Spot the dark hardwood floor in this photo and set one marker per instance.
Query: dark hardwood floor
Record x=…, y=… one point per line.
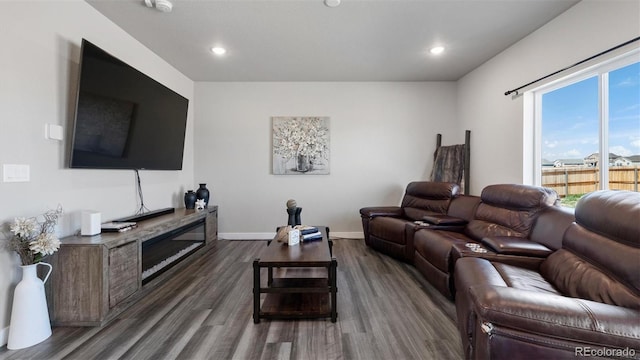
x=386, y=310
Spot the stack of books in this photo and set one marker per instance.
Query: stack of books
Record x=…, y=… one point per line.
x=310, y=233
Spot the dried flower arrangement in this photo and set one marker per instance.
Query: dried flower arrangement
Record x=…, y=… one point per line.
x=33, y=240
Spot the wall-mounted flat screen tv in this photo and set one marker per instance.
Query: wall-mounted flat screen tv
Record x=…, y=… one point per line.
x=124, y=119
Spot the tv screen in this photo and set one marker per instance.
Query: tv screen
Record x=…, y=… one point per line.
x=125, y=119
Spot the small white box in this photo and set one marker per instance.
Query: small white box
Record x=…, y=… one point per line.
x=294, y=237
x=90, y=223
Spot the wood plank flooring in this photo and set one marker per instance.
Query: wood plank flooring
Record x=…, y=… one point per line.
x=386, y=310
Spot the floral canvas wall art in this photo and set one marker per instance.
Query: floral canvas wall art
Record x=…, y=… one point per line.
x=300, y=145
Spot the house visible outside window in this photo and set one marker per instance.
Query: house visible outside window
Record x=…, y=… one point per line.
x=588, y=130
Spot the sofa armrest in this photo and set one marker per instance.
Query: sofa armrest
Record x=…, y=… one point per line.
x=444, y=220
x=393, y=211
x=459, y=251
x=556, y=316
x=509, y=245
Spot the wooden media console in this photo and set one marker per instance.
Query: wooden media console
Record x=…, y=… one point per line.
x=95, y=278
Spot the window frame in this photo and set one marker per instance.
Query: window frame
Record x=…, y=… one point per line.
x=533, y=101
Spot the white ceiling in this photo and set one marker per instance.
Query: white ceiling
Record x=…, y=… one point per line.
x=304, y=40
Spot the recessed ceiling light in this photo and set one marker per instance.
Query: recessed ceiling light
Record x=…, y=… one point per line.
x=164, y=5
x=437, y=50
x=332, y=3
x=218, y=50
x=161, y=5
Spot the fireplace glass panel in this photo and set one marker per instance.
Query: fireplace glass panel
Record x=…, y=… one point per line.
x=161, y=253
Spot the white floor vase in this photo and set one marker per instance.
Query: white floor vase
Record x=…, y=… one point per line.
x=29, y=315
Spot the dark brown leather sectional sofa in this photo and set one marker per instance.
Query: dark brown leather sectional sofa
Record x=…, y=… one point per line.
x=529, y=281
x=581, y=300
x=500, y=227
x=390, y=229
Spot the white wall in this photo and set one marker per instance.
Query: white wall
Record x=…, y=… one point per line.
x=38, y=75
x=498, y=132
x=382, y=137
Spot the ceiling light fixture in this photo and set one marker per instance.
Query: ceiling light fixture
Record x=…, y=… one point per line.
x=218, y=50
x=332, y=3
x=437, y=50
x=161, y=5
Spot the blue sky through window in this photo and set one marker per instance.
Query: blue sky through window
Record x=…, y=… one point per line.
x=570, y=119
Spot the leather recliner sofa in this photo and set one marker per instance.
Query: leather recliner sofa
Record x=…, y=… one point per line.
x=501, y=227
x=581, y=300
x=390, y=229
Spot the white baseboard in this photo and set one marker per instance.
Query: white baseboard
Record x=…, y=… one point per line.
x=269, y=236
x=4, y=336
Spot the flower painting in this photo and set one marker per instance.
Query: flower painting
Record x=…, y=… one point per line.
x=300, y=145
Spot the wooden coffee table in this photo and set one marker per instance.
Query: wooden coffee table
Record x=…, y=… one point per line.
x=296, y=297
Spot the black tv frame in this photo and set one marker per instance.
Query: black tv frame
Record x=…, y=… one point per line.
x=131, y=122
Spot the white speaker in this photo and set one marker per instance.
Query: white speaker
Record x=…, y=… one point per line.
x=90, y=223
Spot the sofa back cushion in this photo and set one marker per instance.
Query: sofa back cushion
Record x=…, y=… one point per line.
x=464, y=207
x=600, y=255
x=551, y=225
x=509, y=210
x=426, y=197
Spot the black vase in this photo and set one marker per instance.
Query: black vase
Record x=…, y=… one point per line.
x=190, y=200
x=203, y=193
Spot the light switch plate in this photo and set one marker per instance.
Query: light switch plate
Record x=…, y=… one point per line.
x=15, y=173
x=53, y=131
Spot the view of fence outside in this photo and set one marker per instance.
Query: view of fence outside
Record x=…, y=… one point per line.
x=576, y=181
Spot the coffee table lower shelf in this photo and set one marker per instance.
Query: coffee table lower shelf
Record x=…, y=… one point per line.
x=292, y=304
x=296, y=298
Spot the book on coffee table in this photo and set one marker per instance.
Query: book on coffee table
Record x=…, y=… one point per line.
x=312, y=236
x=304, y=229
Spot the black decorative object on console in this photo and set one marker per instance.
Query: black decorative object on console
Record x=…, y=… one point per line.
x=203, y=193
x=294, y=213
x=190, y=199
x=292, y=217
x=297, y=216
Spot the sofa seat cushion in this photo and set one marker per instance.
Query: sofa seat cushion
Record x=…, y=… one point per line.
x=389, y=229
x=523, y=279
x=435, y=246
x=474, y=271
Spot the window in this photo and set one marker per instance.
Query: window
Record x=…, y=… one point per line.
x=587, y=130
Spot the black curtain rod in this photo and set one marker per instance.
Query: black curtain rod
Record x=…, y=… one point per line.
x=571, y=66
